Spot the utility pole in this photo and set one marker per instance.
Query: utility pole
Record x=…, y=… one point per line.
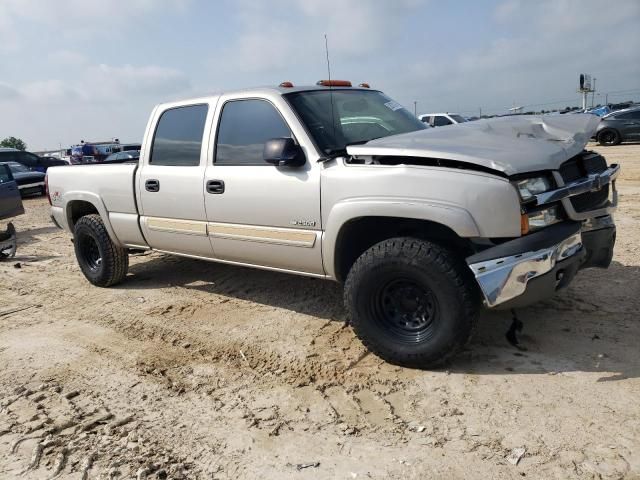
x=606, y=99
x=480, y=108
x=593, y=92
x=415, y=108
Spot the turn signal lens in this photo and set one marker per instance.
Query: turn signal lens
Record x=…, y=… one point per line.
x=544, y=218
x=524, y=224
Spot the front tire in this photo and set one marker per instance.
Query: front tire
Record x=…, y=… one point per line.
x=609, y=137
x=102, y=262
x=411, y=302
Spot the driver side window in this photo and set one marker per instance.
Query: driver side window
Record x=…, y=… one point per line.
x=244, y=128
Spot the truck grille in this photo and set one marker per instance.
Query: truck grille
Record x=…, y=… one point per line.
x=579, y=167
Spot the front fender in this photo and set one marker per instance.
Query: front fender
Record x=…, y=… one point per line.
x=98, y=204
x=452, y=216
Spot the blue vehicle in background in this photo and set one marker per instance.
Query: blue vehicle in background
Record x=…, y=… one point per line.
x=600, y=111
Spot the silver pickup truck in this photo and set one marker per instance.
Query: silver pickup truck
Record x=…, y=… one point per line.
x=422, y=226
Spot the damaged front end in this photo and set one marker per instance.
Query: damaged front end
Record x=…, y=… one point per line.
x=533, y=267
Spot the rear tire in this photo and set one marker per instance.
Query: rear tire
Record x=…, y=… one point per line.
x=609, y=137
x=102, y=262
x=412, y=302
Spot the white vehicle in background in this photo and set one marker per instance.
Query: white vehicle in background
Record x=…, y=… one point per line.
x=441, y=119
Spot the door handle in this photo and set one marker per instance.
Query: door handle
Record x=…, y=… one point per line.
x=152, y=185
x=215, y=186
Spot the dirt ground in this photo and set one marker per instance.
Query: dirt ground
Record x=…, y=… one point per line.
x=198, y=370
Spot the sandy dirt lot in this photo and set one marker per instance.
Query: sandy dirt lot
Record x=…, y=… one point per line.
x=198, y=370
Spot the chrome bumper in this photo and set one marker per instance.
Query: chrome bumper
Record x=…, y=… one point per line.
x=505, y=278
x=590, y=183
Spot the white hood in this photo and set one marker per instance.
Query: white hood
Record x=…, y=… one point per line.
x=515, y=144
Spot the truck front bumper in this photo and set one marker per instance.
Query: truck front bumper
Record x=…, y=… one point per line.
x=531, y=268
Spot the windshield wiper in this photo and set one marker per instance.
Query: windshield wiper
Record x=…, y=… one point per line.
x=362, y=142
x=332, y=153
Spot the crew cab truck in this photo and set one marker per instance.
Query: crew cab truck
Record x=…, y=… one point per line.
x=422, y=226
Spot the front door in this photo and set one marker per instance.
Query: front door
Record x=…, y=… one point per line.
x=630, y=125
x=10, y=200
x=260, y=214
x=172, y=215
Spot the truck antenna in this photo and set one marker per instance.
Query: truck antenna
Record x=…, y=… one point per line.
x=333, y=121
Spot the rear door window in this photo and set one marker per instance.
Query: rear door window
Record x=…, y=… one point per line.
x=178, y=137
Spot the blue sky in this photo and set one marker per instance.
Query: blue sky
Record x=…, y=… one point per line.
x=93, y=69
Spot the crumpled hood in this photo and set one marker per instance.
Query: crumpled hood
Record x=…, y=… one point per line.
x=515, y=144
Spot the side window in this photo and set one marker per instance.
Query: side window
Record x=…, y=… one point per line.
x=440, y=121
x=28, y=159
x=244, y=127
x=178, y=137
x=629, y=116
x=5, y=174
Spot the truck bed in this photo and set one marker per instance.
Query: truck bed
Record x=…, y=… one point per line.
x=110, y=188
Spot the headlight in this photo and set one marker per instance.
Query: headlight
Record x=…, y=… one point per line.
x=542, y=218
x=529, y=187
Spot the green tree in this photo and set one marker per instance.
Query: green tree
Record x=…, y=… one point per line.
x=13, y=142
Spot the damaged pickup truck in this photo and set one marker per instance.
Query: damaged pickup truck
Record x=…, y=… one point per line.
x=422, y=226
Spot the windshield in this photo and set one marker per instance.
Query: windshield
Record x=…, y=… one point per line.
x=358, y=116
x=18, y=168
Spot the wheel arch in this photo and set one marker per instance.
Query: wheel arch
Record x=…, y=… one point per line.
x=358, y=234
x=79, y=204
x=609, y=129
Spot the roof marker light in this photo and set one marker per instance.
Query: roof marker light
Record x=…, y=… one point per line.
x=334, y=83
x=286, y=85
x=364, y=85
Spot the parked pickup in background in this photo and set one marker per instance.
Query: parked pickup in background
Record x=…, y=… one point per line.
x=422, y=226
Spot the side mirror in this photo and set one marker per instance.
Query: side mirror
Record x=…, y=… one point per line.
x=283, y=152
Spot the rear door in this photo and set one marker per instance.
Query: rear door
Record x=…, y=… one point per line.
x=10, y=200
x=170, y=181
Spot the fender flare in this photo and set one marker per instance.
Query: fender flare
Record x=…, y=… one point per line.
x=97, y=203
x=454, y=217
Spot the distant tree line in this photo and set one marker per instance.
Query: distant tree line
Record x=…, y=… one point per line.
x=13, y=142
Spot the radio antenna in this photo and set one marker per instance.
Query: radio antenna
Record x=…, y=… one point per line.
x=326, y=49
x=333, y=120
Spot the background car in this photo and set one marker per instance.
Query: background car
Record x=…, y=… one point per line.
x=10, y=201
x=52, y=162
x=28, y=159
x=29, y=182
x=123, y=157
x=441, y=119
x=620, y=126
